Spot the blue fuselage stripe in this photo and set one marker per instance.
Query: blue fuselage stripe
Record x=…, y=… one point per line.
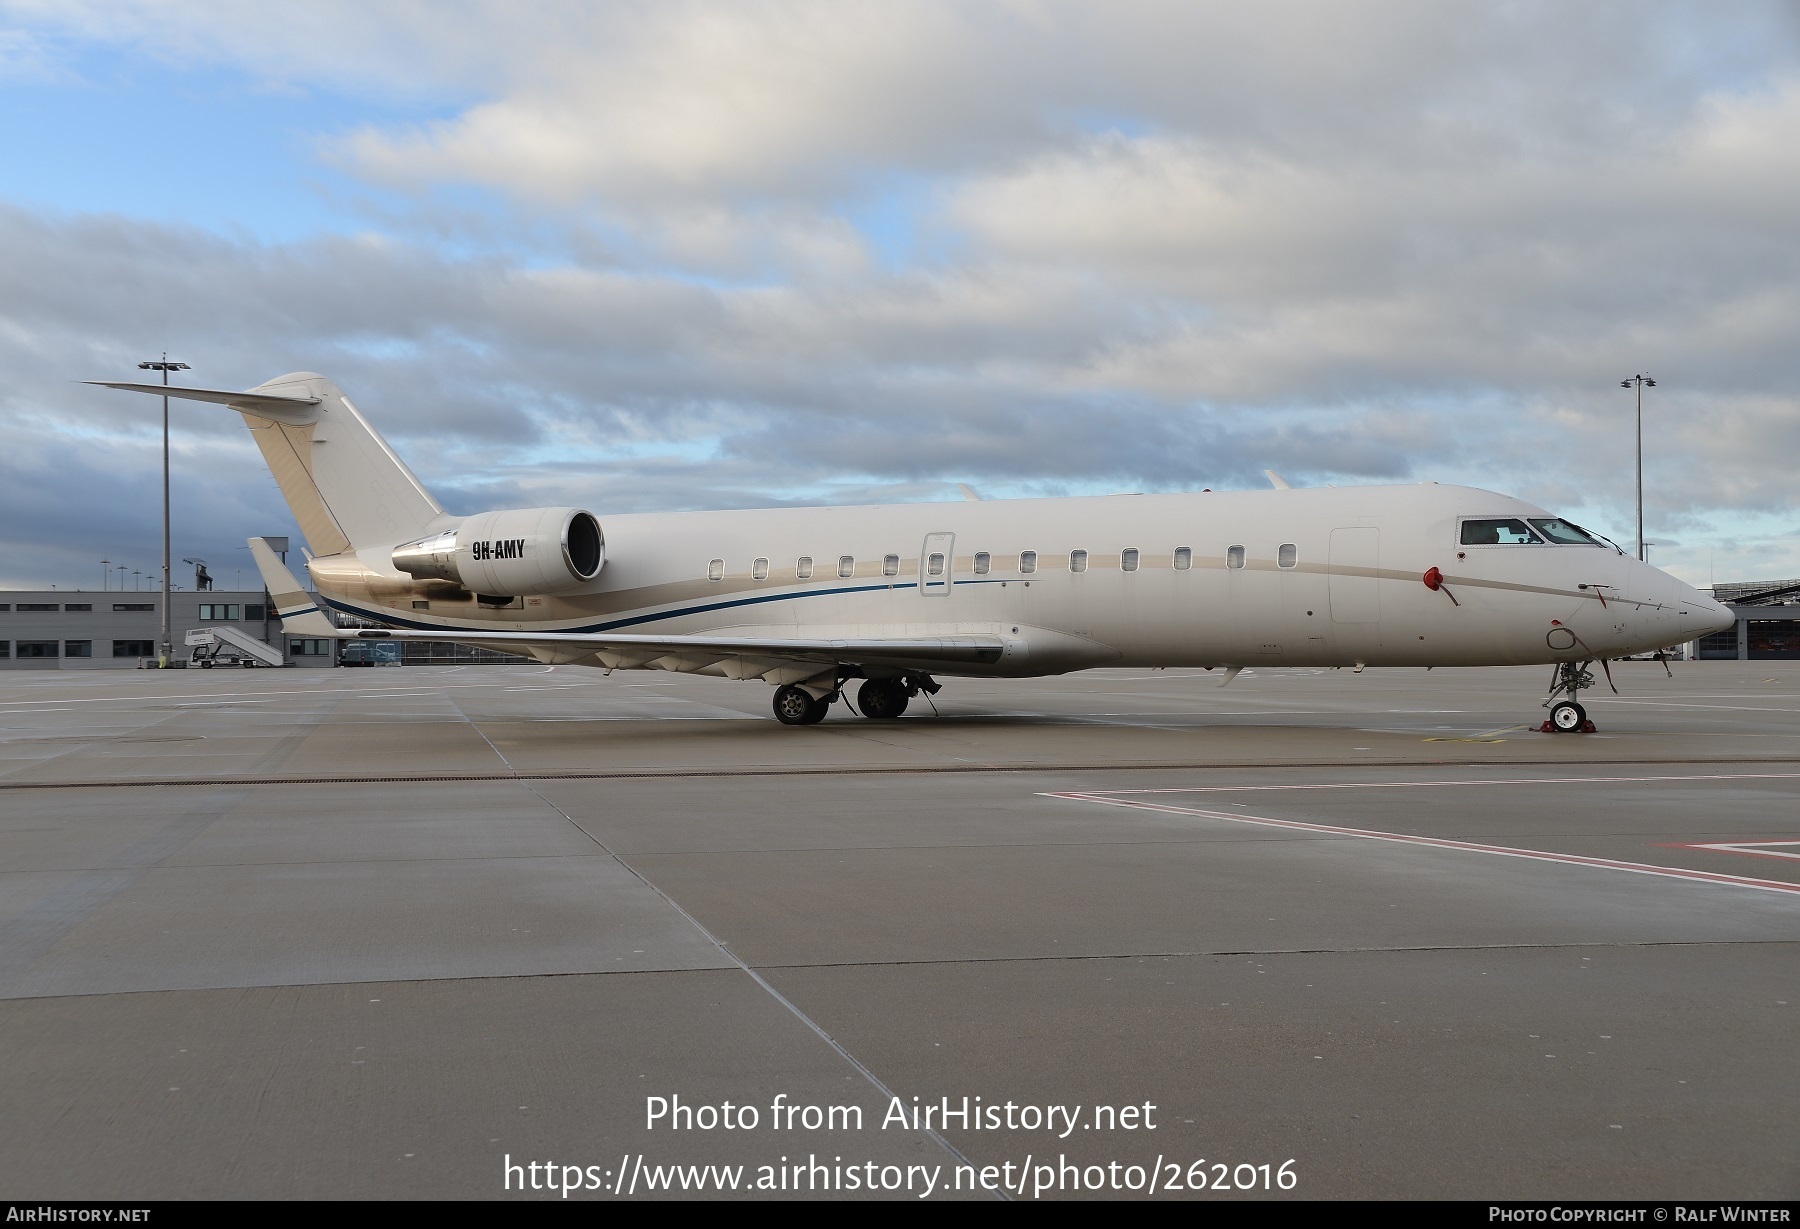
x=634, y=620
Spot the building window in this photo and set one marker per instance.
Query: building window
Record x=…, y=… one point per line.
x=803, y=569
x=309, y=648
x=715, y=569
x=1184, y=558
x=78, y=648
x=1128, y=559
x=5, y=648
x=253, y=613
x=846, y=565
x=5, y=605
x=890, y=565
x=220, y=613
x=37, y=648
x=1027, y=562
x=1234, y=557
x=759, y=569
x=37, y=606
x=1287, y=555
x=1077, y=561
x=149, y=606
x=982, y=562
x=134, y=648
x=78, y=605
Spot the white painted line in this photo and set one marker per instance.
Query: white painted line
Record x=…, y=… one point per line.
x=1432, y=842
x=1755, y=849
x=1247, y=789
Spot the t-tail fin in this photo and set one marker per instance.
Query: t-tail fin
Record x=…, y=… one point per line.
x=345, y=486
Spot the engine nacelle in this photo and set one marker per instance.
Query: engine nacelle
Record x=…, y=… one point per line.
x=511, y=554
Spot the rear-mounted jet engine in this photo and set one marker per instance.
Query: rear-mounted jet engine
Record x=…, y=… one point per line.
x=511, y=554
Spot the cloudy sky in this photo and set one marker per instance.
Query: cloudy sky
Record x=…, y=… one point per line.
x=664, y=255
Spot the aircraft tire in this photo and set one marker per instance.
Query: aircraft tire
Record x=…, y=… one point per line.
x=795, y=706
x=1567, y=717
x=882, y=699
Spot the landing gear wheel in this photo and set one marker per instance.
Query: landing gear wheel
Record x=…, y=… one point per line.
x=1568, y=717
x=883, y=699
x=795, y=706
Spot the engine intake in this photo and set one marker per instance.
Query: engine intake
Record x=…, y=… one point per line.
x=512, y=554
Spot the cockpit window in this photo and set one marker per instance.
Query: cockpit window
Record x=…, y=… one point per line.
x=1564, y=533
x=1508, y=532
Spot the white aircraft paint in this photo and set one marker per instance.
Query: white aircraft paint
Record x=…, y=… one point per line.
x=807, y=597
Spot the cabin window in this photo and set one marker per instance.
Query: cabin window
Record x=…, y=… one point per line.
x=1077, y=561
x=1027, y=561
x=1128, y=559
x=983, y=561
x=934, y=564
x=1508, y=531
x=759, y=569
x=846, y=565
x=1234, y=557
x=803, y=569
x=890, y=565
x=1184, y=558
x=715, y=570
x=1287, y=555
x=1564, y=533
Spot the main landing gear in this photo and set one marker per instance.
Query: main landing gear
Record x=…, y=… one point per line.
x=885, y=699
x=798, y=706
x=1566, y=715
x=882, y=699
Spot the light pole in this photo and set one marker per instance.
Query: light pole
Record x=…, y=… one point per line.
x=1642, y=382
x=105, y=575
x=167, y=645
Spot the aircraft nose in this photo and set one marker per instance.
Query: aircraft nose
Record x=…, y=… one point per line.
x=1718, y=616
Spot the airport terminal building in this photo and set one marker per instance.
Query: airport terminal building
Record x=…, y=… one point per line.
x=62, y=629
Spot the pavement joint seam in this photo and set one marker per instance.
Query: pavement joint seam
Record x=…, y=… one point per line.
x=886, y=770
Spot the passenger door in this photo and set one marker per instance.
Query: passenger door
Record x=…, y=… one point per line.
x=1354, y=586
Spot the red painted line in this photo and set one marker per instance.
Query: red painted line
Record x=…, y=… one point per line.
x=1432, y=842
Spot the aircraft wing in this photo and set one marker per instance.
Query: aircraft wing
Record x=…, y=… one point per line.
x=699, y=652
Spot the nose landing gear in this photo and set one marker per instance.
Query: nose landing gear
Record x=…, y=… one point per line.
x=1566, y=715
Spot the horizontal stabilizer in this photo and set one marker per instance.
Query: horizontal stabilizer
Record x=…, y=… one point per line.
x=255, y=403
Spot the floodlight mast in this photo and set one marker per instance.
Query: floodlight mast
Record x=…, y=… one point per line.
x=1641, y=382
x=166, y=649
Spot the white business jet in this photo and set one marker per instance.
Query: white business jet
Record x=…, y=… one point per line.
x=808, y=599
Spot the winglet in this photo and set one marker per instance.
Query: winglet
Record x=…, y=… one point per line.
x=300, y=612
x=1277, y=481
